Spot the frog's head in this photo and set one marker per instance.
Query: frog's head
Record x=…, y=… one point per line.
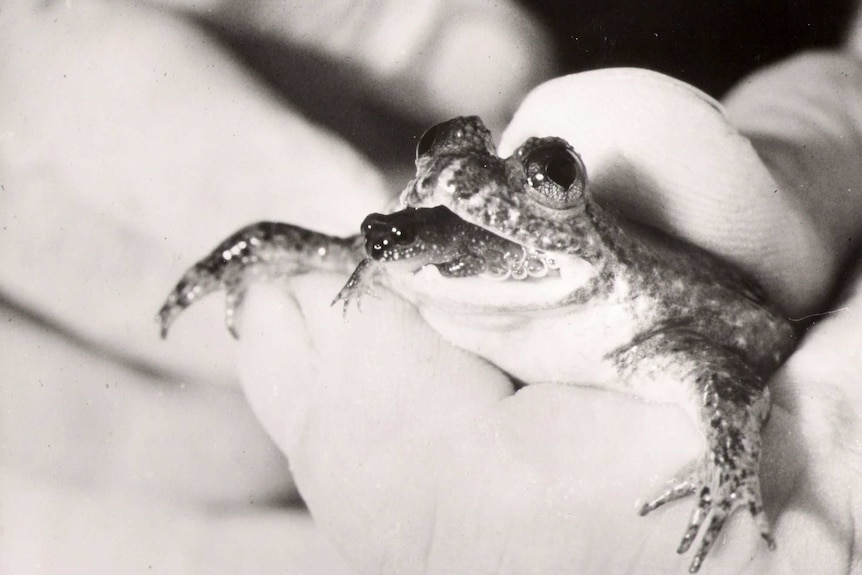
x=537, y=197
x=471, y=214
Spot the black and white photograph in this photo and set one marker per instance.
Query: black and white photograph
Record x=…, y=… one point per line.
x=435, y=287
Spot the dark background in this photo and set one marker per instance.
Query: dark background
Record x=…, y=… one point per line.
x=710, y=44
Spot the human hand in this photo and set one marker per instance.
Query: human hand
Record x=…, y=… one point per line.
x=415, y=456
x=129, y=141
x=145, y=150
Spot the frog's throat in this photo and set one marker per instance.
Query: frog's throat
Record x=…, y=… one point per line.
x=463, y=294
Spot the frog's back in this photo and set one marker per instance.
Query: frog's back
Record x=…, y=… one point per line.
x=695, y=290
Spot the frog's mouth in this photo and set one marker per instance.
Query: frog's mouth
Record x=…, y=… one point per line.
x=449, y=259
x=486, y=291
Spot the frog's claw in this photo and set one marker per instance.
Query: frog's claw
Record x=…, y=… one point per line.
x=720, y=513
x=359, y=284
x=234, y=296
x=195, y=284
x=680, y=488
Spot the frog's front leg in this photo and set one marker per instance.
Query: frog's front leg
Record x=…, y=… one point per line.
x=260, y=251
x=733, y=406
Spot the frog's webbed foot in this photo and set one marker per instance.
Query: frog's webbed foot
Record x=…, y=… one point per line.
x=734, y=405
x=261, y=251
x=360, y=283
x=721, y=488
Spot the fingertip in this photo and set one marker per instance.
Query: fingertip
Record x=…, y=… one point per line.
x=475, y=49
x=431, y=59
x=804, y=117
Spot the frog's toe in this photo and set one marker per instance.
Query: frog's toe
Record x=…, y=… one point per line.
x=720, y=511
x=716, y=522
x=680, y=488
x=353, y=294
x=682, y=485
x=194, y=285
x=233, y=300
x=359, y=284
x=698, y=515
x=717, y=499
x=167, y=314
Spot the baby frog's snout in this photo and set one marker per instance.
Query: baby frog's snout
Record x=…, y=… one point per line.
x=385, y=233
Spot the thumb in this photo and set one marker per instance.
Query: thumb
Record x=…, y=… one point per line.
x=804, y=117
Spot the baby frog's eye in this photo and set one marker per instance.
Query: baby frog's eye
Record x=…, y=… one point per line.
x=404, y=234
x=555, y=172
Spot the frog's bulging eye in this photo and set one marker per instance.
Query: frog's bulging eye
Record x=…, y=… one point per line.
x=556, y=172
x=458, y=135
x=562, y=169
x=428, y=139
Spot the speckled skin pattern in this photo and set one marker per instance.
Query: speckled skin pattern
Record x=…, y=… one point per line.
x=691, y=319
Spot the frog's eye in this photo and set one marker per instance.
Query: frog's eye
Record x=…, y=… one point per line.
x=458, y=135
x=428, y=139
x=556, y=172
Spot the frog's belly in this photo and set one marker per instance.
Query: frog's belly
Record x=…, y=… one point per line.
x=567, y=345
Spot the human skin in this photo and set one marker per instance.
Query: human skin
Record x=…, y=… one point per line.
x=114, y=441
x=126, y=134
x=413, y=455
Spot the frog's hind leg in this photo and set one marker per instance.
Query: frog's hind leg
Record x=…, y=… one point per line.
x=733, y=404
x=261, y=251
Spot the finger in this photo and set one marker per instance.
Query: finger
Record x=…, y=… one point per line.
x=126, y=155
x=666, y=154
x=373, y=351
x=435, y=58
x=390, y=430
x=69, y=530
x=88, y=423
x=387, y=443
x=804, y=117
x=819, y=383
x=358, y=405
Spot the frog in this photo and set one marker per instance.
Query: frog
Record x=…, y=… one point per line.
x=514, y=260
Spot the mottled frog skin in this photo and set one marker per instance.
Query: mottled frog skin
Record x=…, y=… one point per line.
x=512, y=259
